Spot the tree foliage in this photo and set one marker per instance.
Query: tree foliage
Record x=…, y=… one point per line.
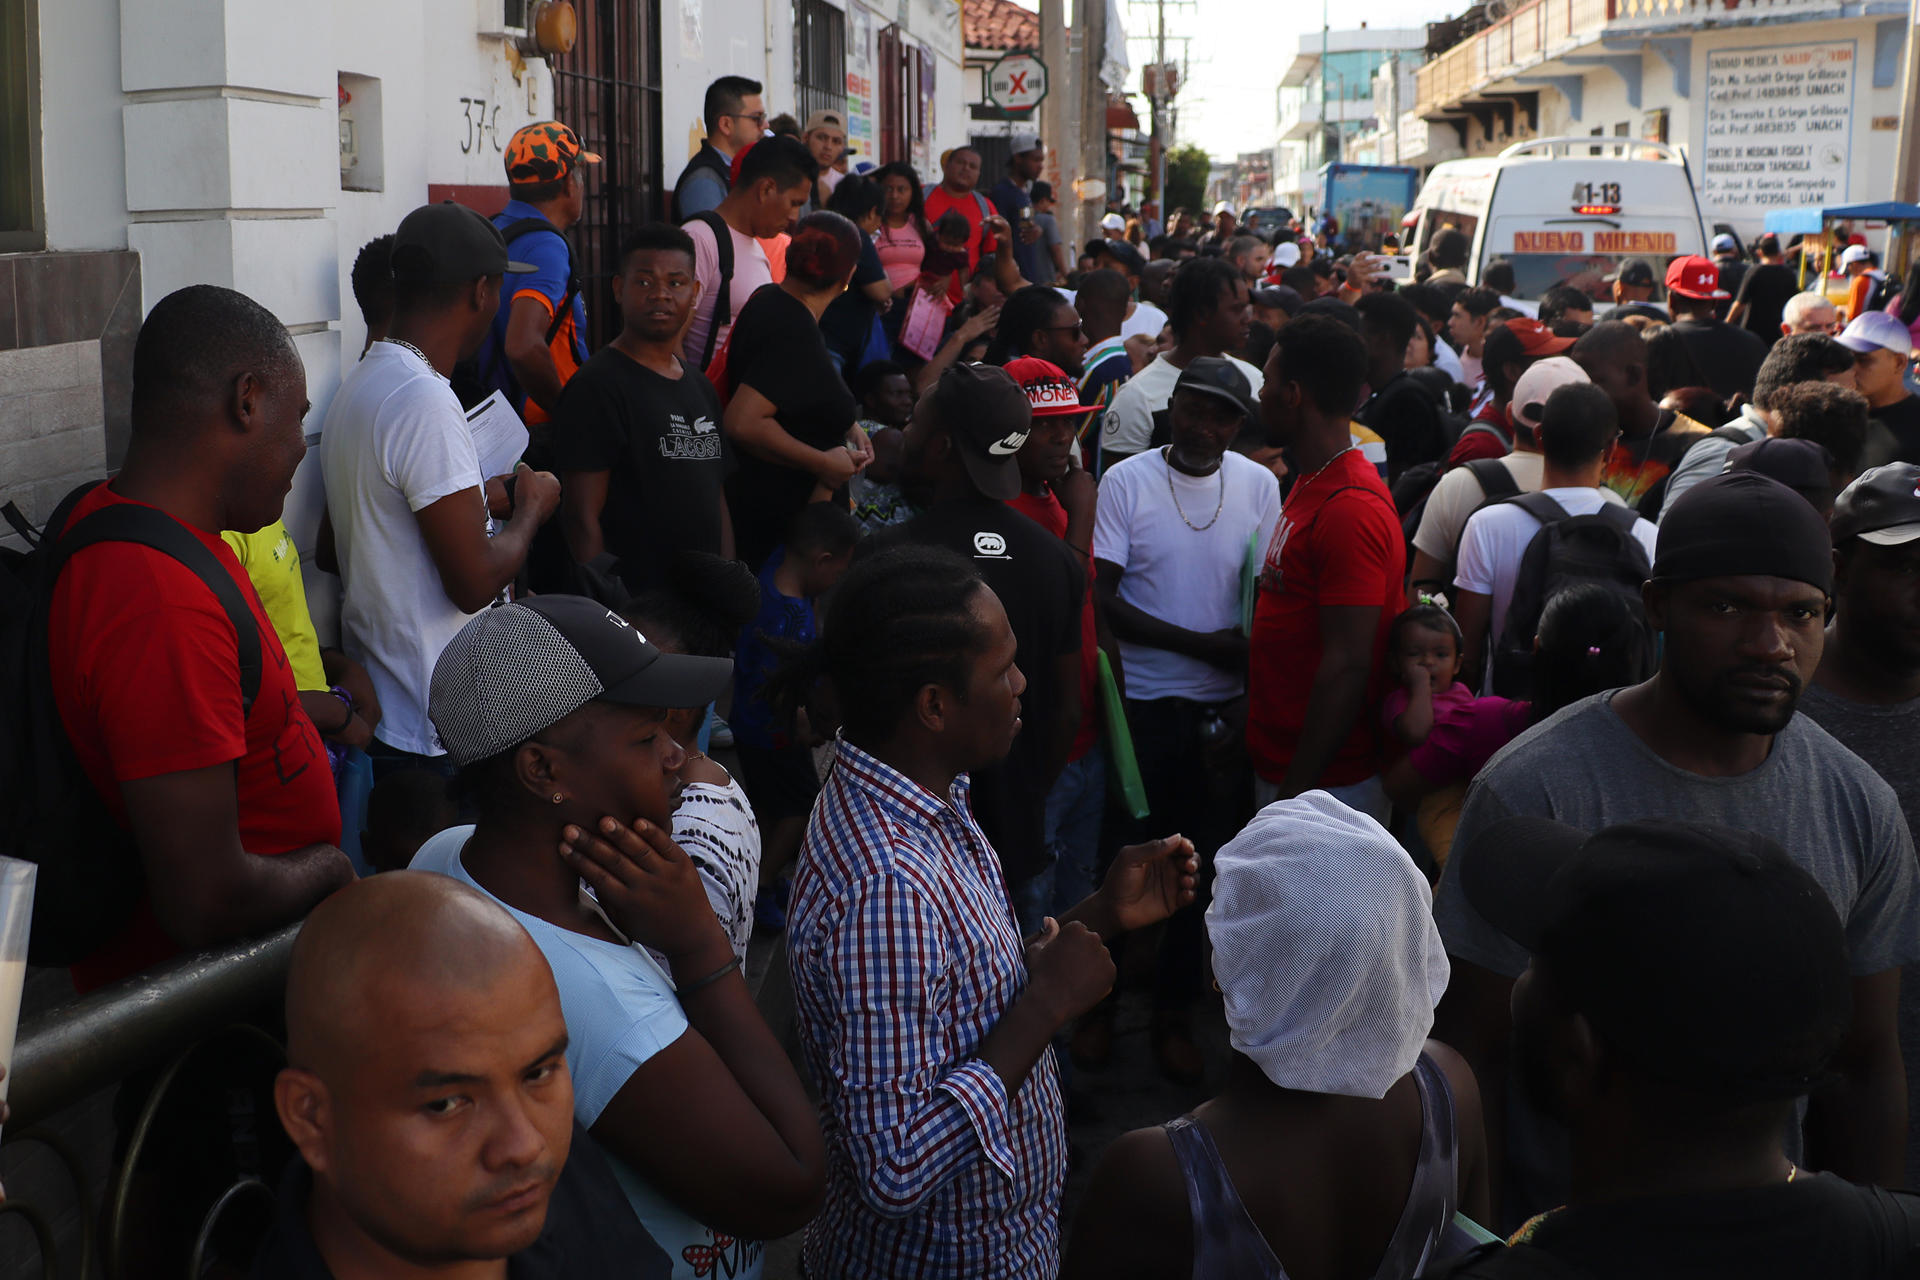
x=1187, y=169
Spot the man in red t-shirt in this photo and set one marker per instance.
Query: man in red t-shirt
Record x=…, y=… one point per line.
x=960, y=176
x=1331, y=585
x=145, y=663
x=1511, y=348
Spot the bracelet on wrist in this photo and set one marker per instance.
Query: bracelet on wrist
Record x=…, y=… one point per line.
x=346, y=701
x=688, y=988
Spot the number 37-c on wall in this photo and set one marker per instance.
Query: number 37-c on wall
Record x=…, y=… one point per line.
x=482, y=121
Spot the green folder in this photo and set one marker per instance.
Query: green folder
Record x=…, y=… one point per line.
x=1122, y=766
x=1250, y=580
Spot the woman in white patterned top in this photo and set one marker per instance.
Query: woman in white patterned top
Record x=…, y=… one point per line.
x=701, y=609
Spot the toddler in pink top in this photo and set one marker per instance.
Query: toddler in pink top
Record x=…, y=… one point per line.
x=1447, y=732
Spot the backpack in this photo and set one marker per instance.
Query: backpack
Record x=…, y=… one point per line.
x=1411, y=489
x=1496, y=485
x=723, y=299
x=90, y=875
x=488, y=369
x=1567, y=550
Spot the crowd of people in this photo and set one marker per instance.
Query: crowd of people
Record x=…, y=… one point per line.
x=1505, y=710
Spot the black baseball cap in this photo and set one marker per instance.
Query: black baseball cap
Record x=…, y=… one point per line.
x=1279, y=296
x=1634, y=271
x=1742, y=522
x=447, y=243
x=1804, y=466
x=1220, y=378
x=988, y=416
x=1703, y=955
x=1882, y=506
x=514, y=670
x=1123, y=253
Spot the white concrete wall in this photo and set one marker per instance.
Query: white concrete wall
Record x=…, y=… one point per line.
x=85, y=185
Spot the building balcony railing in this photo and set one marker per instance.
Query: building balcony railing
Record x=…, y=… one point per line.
x=1537, y=31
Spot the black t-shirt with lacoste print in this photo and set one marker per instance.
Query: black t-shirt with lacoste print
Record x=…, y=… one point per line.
x=658, y=439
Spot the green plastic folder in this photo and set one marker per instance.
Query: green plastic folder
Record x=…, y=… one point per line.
x=1250, y=580
x=1122, y=765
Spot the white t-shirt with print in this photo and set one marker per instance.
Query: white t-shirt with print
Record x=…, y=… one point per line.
x=395, y=442
x=1182, y=575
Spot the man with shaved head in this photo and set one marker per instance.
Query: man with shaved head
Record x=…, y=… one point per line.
x=428, y=1095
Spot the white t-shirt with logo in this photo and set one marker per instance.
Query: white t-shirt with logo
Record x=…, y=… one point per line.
x=1190, y=577
x=395, y=442
x=1129, y=423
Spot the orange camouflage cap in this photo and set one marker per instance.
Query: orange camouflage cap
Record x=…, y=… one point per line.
x=544, y=152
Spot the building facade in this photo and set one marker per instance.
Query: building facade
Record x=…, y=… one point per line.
x=1775, y=103
x=258, y=144
x=1325, y=102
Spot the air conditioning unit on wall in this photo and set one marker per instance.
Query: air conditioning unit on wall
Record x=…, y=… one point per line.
x=505, y=17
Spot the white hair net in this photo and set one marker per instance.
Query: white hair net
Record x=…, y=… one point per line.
x=1325, y=948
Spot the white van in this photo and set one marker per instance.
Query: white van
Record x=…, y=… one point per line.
x=1565, y=211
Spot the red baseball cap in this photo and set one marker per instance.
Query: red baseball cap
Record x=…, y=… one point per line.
x=1536, y=340
x=1048, y=388
x=1695, y=277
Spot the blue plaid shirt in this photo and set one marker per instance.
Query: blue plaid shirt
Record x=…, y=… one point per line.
x=904, y=955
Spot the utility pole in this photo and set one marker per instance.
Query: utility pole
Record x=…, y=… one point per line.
x=1056, y=113
x=1092, y=31
x=1159, y=103
x=1906, y=184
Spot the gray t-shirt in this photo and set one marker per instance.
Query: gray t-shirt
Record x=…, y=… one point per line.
x=1885, y=736
x=1584, y=767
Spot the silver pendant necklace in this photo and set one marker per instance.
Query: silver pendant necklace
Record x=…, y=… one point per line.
x=1166, y=456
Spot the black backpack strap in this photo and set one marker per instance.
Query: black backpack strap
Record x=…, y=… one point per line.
x=126, y=522
x=1623, y=518
x=1540, y=507
x=1495, y=477
x=723, y=299
x=526, y=226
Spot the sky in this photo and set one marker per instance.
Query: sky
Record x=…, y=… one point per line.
x=1237, y=52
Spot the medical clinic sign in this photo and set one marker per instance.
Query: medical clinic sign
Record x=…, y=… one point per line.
x=1017, y=82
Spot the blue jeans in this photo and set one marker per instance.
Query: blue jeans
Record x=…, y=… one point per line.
x=1074, y=807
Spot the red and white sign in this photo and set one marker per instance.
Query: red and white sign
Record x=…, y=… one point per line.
x=1017, y=82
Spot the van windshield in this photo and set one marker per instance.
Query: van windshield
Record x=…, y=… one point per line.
x=1535, y=273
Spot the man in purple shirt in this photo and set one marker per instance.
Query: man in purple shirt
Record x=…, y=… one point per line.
x=926, y=1020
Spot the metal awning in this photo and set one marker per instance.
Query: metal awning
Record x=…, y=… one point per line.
x=1811, y=219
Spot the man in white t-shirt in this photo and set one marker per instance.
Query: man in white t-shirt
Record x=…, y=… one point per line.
x=1172, y=537
x=1211, y=312
x=409, y=514
x=1464, y=489
x=1577, y=427
x=776, y=179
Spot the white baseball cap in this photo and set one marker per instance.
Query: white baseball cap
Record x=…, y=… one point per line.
x=1287, y=254
x=1542, y=379
x=1877, y=330
x=1113, y=222
x=1855, y=253
x=1727, y=243
x=1222, y=207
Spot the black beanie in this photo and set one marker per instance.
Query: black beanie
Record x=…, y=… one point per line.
x=1743, y=523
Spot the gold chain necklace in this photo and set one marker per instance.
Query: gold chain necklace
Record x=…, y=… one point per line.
x=1166, y=456
x=1301, y=484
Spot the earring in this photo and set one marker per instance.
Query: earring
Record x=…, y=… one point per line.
x=557, y=797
